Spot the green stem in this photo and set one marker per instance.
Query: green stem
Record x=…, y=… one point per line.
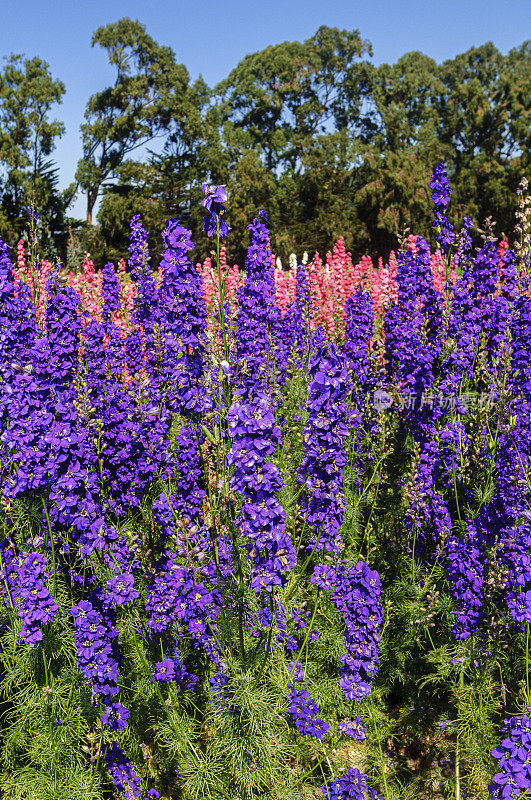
x=145, y=663
x=455, y=488
x=374, y=720
x=268, y=644
x=52, y=545
x=413, y=571
x=527, y=659
x=457, y=770
x=290, y=673
x=96, y=766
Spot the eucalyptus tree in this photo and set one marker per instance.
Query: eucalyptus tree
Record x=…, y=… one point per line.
x=148, y=92
x=28, y=94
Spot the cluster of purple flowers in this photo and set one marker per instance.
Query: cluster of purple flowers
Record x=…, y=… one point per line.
x=465, y=576
x=95, y=637
x=519, y=606
x=110, y=290
x=187, y=493
x=273, y=615
x=359, y=330
x=353, y=728
x=214, y=199
x=293, y=329
x=88, y=416
x=122, y=772
x=514, y=760
x=256, y=436
x=304, y=711
x=218, y=689
x=352, y=786
x=120, y=590
x=26, y=590
x=321, y=470
x=258, y=314
x=174, y=670
x=441, y=194
x=182, y=319
x=177, y=598
x=356, y=593
x=413, y=326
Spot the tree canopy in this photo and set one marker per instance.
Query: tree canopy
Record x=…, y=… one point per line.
x=28, y=177
x=313, y=131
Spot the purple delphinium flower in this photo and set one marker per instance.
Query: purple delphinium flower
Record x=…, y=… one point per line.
x=115, y=717
x=258, y=314
x=18, y=327
x=120, y=590
x=353, y=728
x=182, y=319
x=34, y=604
x=26, y=589
x=164, y=671
x=465, y=555
x=293, y=329
x=256, y=436
x=187, y=491
x=95, y=644
x=122, y=772
x=413, y=326
x=274, y=618
x=441, y=193
x=177, y=596
x=352, y=786
x=132, y=429
x=514, y=759
x=356, y=350
x=110, y=291
x=506, y=517
x=214, y=199
x=218, y=689
x=321, y=471
x=359, y=330
x=356, y=593
x=143, y=314
x=520, y=607
x=63, y=327
x=427, y=506
x=172, y=669
x=304, y=711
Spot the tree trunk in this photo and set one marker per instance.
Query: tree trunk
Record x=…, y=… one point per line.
x=92, y=196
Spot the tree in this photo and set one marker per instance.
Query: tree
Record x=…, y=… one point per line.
x=147, y=94
x=485, y=116
x=276, y=100
x=390, y=182
x=27, y=137
x=167, y=184
x=286, y=116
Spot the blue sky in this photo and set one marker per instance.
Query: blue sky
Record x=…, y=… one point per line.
x=210, y=38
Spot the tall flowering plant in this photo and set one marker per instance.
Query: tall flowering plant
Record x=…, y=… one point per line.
x=274, y=553
x=158, y=557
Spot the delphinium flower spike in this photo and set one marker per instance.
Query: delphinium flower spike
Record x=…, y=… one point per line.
x=258, y=314
x=256, y=436
x=356, y=593
x=441, y=193
x=214, y=199
x=321, y=471
x=181, y=315
x=514, y=759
